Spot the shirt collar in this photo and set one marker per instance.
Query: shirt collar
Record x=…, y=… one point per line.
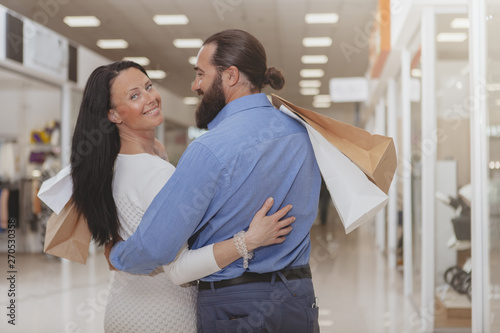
x=238, y=105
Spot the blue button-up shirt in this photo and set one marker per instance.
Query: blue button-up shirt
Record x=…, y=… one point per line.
x=251, y=152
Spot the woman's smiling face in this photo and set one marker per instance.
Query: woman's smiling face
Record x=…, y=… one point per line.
x=135, y=103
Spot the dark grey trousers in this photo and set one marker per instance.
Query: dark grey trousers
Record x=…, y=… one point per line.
x=279, y=306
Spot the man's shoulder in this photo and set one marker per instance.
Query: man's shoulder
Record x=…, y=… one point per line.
x=250, y=129
x=252, y=122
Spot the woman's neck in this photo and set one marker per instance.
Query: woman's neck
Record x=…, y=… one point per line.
x=137, y=143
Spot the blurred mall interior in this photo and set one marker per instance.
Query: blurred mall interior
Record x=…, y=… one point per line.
x=425, y=73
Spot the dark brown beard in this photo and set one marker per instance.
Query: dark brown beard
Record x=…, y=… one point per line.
x=211, y=104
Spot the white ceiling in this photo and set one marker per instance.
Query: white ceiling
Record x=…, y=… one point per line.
x=278, y=24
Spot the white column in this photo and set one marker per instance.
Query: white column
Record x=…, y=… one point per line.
x=66, y=133
x=479, y=172
x=380, y=218
x=429, y=147
x=405, y=172
x=392, y=206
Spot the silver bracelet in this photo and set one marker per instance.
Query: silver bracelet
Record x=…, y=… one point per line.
x=241, y=246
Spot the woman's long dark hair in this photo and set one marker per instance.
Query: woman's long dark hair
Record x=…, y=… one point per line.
x=95, y=146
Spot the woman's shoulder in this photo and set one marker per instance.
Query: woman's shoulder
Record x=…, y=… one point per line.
x=137, y=162
x=139, y=171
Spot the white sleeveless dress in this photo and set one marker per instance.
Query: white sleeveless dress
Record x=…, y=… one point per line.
x=153, y=304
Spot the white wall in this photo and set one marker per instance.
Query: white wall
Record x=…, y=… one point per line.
x=27, y=106
x=87, y=61
x=8, y=113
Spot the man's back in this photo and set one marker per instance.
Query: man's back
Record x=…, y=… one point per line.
x=262, y=153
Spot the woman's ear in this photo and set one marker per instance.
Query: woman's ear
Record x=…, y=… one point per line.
x=114, y=117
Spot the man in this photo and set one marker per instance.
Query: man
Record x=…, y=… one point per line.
x=251, y=151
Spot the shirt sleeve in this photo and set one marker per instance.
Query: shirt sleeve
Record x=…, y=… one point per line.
x=174, y=214
x=191, y=265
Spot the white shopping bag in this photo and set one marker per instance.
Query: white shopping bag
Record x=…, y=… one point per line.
x=356, y=198
x=56, y=191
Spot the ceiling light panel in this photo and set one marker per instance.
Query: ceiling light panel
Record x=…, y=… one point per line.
x=460, y=23
x=143, y=61
x=321, y=18
x=317, y=42
x=112, y=43
x=156, y=74
x=190, y=100
x=171, y=19
x=322, y=98
x=451, y=37
x=188, y=43
x=193, y=60
x=82, y=21
x=309, y=91
x=416, y=72
x=309, y=83
x=312, y=73
x=314, y=59
x=321, y=105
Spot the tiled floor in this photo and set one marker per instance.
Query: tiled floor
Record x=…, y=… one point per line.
x=357, y=292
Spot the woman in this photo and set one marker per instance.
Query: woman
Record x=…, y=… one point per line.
x=116, y=172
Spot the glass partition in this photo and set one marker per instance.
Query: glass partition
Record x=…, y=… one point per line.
x=416, y=176
x=452, y=209
x=492, y=294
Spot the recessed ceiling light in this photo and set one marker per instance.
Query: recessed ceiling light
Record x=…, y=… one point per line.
x=82, y=21
x=325, y=322
x=143, y=61
x=416, y=72
x=460, y=23
x=190, y=100
x=112, y=43
x=322, y=98
x=188, y=43
x=170, y=19
x=317, y=42
x=317, y=18
x=314, y=59
x=451, y=37
x=309, y=73
x=310, y=83
x=309, y=91
x=321, y=105
x=156, y=74
x=193, y=60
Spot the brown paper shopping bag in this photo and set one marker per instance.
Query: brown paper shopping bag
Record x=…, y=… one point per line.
x=68, y=235
x=374, y=154
x=356, y=198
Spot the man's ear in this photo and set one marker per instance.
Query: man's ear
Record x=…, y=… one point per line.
x=232, y=75
x=114, y=117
